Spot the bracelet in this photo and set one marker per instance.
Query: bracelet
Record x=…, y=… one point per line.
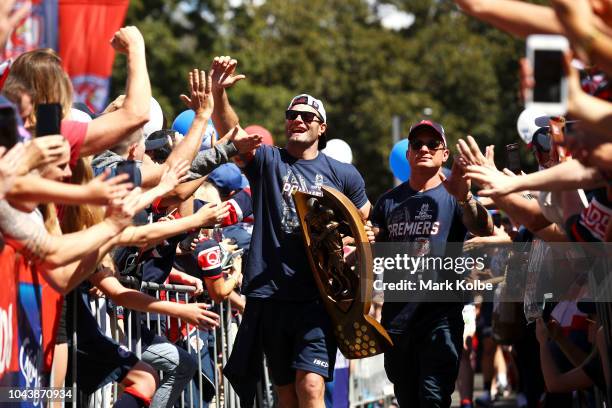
x=469, y=198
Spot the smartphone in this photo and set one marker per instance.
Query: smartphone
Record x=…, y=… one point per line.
x=130, y=168
x=8, y=128
x=48, y=119
x=228, y=261
x=513, y=158
x=545, y=54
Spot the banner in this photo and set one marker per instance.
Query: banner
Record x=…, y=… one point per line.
x=85, y=30
x=38, y=30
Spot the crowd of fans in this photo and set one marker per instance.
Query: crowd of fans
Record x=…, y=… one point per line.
x=101, y=201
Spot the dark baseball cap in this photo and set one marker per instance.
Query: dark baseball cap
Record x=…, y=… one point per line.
x=437, y=128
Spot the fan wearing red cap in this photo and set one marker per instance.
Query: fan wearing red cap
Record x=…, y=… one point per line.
x=430, y=210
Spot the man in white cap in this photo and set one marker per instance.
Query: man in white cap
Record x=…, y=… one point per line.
x=297, y=335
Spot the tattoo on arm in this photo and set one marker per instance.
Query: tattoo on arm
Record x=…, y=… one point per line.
x=476, y=219
x=18, y=226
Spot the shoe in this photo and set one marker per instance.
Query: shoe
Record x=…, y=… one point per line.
x=466, y=403
x=484, y=400
x=521, y=400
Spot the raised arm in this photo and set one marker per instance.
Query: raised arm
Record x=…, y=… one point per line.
x=196, y=314
x=50, y=252
x=99, y=191
x=223, y=77
x=107, y=130
x=564, y=176
x=209, y=215
x=201, y=102
x=522, y=210
x=518, y=18
x=589, y=36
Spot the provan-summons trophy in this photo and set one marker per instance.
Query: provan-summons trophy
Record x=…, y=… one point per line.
x=328, y=223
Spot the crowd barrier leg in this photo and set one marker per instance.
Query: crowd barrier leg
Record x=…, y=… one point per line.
x=73, y=298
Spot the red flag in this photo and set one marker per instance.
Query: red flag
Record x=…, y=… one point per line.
x=85, y=30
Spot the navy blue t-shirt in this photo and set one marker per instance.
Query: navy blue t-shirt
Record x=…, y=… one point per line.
x=431, y=218
x=277, y=266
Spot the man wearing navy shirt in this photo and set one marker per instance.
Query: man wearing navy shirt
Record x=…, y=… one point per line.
x=431, y=210
x=297, y=337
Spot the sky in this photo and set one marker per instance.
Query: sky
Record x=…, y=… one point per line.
x=391, y=18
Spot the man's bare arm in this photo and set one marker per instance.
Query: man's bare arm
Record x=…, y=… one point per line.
x=107, y=130
x=518, y=18
x=476, y=218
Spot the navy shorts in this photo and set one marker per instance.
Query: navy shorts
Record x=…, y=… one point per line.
x=423, y=364
x=297, y=336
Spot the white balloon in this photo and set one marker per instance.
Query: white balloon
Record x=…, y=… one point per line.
x=156, y=118
x=339, y=150
x=525, y=125
x=79, y=116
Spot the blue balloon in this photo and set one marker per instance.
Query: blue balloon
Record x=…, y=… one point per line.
x=398, y=161
x=183, y=121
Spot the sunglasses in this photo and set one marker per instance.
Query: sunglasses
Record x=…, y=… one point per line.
x=431, y=145
x=306, y=116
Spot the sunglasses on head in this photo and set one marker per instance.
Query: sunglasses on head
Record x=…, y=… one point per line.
x=306, y=116
x=431, y=145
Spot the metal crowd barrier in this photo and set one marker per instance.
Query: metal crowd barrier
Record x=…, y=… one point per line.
x=600, y=288
x=121, y=331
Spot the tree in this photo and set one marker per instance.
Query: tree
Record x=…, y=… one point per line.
x=337, y=50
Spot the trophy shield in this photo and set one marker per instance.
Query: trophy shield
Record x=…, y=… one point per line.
x=345, y=286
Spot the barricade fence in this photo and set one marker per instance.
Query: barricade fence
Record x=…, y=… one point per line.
x=210, y=348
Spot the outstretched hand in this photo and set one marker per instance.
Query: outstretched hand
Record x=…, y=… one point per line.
x=174, y=175
x=223, y=73
x=242, y=140
x=200, y=99
x=471, y=154
x=495, y=183
x=121, y=211
x=104, y=190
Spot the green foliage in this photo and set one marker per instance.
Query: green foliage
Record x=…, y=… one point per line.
x=464, y=71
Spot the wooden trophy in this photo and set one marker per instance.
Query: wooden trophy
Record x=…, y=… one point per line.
x=346, y=289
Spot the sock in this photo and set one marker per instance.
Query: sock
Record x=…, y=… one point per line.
x=502, y=379
x=466, y=402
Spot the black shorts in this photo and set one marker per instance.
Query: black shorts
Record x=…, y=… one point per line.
x=297, y=336
x=99, y=359
x=423, y=363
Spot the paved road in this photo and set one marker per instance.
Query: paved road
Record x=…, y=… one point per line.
x=509, y=402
